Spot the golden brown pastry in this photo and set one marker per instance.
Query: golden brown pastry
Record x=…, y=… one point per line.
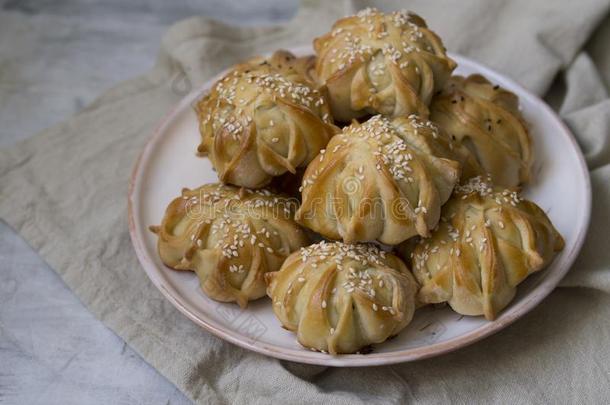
x=230, y=237
x=381, y=63
x=382, y=180
x=488, y=242
x=263, y=119
x=340, y=298
x=486, y=119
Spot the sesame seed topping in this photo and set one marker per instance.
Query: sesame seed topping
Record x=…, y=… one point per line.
x=222, y=207
x=394, y=144
x=398, y=35
x=230, y=105
x=474, y=202
x=483, y=188
x=358, y=277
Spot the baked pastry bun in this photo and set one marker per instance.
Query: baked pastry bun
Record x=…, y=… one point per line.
x=381, y=63
x=341, y=298
x=382, y=180
x=230, y=237
x=263, y=119
x=486, y=119
x=488, y=242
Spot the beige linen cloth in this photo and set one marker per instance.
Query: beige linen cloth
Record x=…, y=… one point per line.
x=65, y=190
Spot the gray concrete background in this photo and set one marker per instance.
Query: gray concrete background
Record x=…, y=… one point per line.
x=55, y=58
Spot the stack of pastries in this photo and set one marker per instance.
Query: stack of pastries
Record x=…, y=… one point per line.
x=408, y=182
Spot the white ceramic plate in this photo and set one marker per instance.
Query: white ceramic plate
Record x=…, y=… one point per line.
x=168, y=163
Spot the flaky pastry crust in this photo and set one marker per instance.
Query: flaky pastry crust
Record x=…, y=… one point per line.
x=341, y=298
x=266, y=117
x=381, y=63
x=382, y=180
x=488, y=241
x=486, y=119
x=230, y=237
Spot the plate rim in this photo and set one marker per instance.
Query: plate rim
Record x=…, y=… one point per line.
x=546, y=286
